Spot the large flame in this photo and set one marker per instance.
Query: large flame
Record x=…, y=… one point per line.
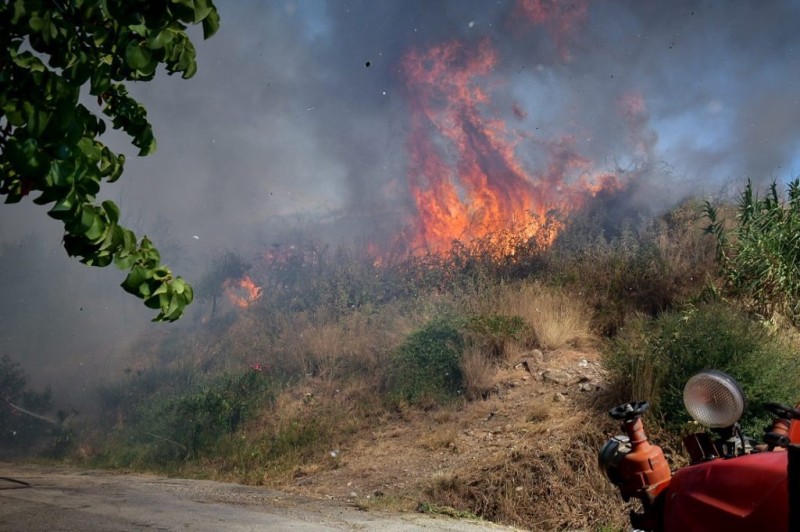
x=464, y=173
x=242, y=292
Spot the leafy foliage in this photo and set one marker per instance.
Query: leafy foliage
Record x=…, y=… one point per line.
x=653, y=358
x=49, y=141
x=426, y=366
x=760, y=257
x=190, y=423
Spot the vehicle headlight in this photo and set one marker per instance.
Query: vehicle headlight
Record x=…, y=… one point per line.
x=714, y=399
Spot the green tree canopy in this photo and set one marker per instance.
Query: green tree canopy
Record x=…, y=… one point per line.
x=49, y=147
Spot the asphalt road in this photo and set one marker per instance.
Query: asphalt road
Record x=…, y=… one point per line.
x=42, y=498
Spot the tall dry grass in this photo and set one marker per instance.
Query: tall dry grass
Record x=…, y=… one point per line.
x=556, y=317
x=479, y=373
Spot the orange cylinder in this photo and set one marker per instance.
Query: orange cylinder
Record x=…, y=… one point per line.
x=645, y=469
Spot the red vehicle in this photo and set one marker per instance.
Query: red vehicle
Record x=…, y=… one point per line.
x=733, y=483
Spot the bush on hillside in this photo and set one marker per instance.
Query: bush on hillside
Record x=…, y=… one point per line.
x=166, y=429
x=632, y=262
x=651, y=359
x=426, y=366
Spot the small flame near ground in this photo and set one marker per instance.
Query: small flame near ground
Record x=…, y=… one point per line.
x=242, y=292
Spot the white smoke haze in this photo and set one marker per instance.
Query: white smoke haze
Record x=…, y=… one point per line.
x=286, y=128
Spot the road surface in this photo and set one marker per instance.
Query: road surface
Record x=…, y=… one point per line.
x=44, y=498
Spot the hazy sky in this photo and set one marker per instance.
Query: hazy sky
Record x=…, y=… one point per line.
x=285, y=123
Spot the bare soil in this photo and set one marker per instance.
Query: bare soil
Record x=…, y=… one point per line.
x=538, y=404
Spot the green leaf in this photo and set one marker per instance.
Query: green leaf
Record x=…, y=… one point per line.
x=26, y=158
x=100, y=80
x=162, y=288
x=79, y=70
x=36, y=24
x=160, y=39
x=210, y=24
x=138, y=57
x=112, y=211
x=136, y=277
x=202, y=9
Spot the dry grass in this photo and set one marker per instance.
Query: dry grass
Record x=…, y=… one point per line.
x=556, y=317
x=687, y=250
x=337, y=348
x=478, y=372
x=634, y=375
x=537, y=486
x=441, y=438
x=539, y=412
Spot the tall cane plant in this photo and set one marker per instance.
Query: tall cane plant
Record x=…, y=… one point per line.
x=759, y=256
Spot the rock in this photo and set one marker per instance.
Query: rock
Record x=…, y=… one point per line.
x=530, y=361
x=559, y=397
x=557, y=376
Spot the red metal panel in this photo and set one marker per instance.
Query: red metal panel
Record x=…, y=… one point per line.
x=737, y=494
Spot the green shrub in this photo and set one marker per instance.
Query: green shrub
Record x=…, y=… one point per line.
x=760, y=256
x=172, y=428
x=426, y=366
x=653, y=358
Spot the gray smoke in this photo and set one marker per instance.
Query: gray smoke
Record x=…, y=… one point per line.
x=286, y=127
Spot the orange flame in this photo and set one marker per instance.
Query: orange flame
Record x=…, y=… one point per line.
x=464, y=175
x=242, y=292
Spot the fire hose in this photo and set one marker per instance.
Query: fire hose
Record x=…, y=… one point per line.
x=32, y=414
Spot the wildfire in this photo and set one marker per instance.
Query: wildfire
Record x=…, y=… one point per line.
x=562, y=19
x=464, y=174
x=242, y=292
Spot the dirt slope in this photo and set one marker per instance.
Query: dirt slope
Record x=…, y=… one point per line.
x=453, y=456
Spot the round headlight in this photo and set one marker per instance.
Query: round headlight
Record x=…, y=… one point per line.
x=714, y=399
